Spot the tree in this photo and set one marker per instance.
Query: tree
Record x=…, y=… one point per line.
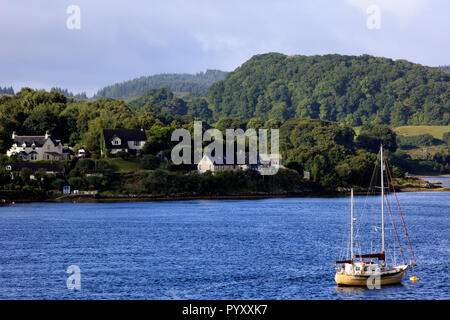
x=5, y=141
x=76, y=183
x=372, y=136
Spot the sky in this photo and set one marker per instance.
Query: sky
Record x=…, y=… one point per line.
x=45, y=43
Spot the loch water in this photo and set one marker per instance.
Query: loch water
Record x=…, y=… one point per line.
x=280, y=248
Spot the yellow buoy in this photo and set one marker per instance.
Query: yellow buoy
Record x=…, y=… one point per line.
x=414, y=279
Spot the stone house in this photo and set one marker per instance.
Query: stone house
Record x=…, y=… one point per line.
x=33, y=148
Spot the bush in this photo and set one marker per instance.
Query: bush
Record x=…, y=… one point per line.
x=149, y=162
x=85, y=164
x=123, y=154
x=94, y=182
x=76, y=183
x=423, y=140
x=58, y=184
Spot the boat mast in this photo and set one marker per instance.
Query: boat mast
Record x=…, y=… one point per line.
x=382, y=198
x=351, y=225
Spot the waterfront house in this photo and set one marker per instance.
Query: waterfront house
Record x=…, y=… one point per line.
x=125, y=140
x=213, y=164
x=33, y=148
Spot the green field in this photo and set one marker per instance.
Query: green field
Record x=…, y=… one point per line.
x=436, y=131
x=124, y=165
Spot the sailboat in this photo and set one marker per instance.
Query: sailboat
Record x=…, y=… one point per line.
x=366, y=269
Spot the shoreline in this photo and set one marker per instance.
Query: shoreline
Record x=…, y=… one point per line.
x=429, y=176
x=148, y=198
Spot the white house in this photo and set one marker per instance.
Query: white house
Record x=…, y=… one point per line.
x=263, y=166
x=32, y=148
x=116, y=140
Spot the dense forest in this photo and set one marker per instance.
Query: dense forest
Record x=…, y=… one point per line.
x=163, y=101
x=193, y=83
x=6, y=90
x=68, y=94
x=353, y=89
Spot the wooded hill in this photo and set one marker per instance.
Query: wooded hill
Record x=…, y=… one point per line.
x=351, y=89
x=192, y=83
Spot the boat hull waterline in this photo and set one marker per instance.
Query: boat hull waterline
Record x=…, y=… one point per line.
x=366, y=280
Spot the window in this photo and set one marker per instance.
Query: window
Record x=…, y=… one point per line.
x=137, y=143
x=116, y=141
x=48, y=147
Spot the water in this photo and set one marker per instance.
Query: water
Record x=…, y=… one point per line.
x=224, y=249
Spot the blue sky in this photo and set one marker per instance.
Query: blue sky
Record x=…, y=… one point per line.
x=121, y=40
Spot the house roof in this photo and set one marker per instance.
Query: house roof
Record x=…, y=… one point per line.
x=33, y=166
x=125, y=135
x=234, y=161
x=37, y=140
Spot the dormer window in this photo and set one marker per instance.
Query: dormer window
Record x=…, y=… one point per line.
x=116, y=141
x=24, y=145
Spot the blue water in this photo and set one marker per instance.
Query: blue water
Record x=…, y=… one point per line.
x=208, y=249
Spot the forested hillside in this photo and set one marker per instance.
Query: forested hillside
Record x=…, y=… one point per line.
x=197, y=83
x=351, y=89
x=69, y=94
x=6, y=90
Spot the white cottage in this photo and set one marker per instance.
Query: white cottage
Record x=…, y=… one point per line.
x=263, y=166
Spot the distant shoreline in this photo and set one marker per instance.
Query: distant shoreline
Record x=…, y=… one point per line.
x=143, y=198
x=430, y=176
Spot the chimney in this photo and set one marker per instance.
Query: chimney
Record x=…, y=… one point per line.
x=47, y=135
x=14, y=135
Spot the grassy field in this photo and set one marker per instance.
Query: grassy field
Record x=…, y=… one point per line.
x=435, y=131
x=124, y=165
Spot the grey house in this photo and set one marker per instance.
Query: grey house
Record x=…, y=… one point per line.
x=32, y=148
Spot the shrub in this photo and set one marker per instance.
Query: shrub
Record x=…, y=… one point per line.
x=58, y=184
x=149, y=162
x=122, y=154
x=76, y=183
